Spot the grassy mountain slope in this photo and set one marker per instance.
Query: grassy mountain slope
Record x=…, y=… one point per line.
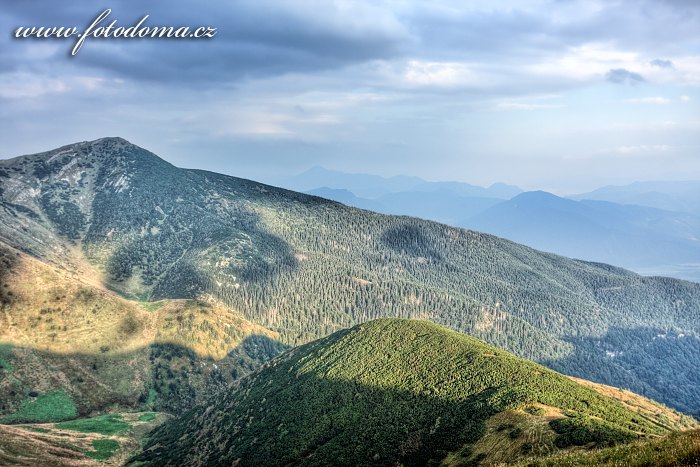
x=304, y=267
x=68, y=348
x=395, y=391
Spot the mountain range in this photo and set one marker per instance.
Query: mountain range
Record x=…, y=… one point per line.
x=130, y=284
x=627, y=235
x=683, y=196
x=652, y=228
x=375, y=186
x=441, y=205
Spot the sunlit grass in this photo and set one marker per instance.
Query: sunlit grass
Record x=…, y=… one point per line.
x=111, y=424
x=52, y=406
x=103, y=449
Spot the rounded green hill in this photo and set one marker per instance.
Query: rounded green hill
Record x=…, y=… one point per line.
x=388, y=392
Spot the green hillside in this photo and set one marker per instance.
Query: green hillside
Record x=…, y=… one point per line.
x=303, y=267
x=390, y=392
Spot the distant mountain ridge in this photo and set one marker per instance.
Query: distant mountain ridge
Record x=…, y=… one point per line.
x=631, y=236
x=440, y=205
x=683, y=195
x=375, y=186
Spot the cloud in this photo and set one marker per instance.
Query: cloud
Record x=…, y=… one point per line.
x=529, y=103
x=440, y=74
x=685, y=98
x=649, y=100
x=508, y=105
x=623, y=76
x=657, y=62
x=642, y=149
x=25, y=86
x=253, y=40
x=442, y=87
x=442, y=44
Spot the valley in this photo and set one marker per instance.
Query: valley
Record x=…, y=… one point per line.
x=129, y=285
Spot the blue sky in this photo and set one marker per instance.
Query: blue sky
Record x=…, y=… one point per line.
x=557, y=95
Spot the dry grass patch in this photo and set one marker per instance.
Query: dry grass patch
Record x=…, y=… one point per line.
x=652, y=410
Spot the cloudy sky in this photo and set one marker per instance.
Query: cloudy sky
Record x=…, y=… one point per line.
x=558, y=95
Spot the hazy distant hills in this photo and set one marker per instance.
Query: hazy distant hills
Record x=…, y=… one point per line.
x=627, y=235
x=115, y=215
x=669, y=195
x=440, y=205
x=402, y=392
x=347, y=197
x=651, y=227
x=446, y=202
x=375, y=186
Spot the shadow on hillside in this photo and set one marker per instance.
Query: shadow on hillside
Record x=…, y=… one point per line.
x=173, y=261
x=657, y=363
x=8, y=260
x=162, y=376
x=410, y=239
x=275, y=256
x=329, y=422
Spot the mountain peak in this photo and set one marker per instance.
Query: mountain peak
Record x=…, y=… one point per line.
x=111, y=139
x=117, y=152
x=537, y=194
x=63, y=182
x=504, y=190
x=115, y=145
x=108, y=142
x=94, y=151
x=539, y=197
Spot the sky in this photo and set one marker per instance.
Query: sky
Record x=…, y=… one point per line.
x=559, y=95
